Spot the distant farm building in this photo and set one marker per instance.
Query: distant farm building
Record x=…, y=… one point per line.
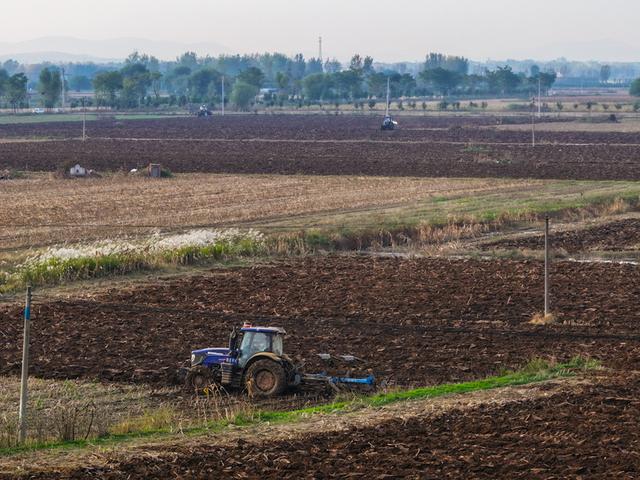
x=155, y=170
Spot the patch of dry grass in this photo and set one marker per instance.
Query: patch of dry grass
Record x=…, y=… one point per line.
x=69, y=409
x=542, y=319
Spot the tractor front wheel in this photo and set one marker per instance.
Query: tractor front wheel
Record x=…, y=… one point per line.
x=265, y=378
x=199, y=378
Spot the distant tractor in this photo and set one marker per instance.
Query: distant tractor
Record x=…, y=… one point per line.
x=388, y=123
x=204, y=111
x=255, y=361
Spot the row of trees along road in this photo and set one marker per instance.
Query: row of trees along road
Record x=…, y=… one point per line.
x=199, y=80
x=145, y=81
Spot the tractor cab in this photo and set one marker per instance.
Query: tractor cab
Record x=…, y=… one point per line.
x=256, y=340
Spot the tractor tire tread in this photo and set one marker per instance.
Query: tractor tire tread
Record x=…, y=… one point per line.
x=274, y=367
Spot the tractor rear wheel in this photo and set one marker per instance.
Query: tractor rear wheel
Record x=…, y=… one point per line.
x=265, y=378
x=199, y=378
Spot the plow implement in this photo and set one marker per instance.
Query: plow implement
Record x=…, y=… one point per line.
x=340, y=382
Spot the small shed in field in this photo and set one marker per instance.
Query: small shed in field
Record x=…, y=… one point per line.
x=155, y=170
x=78, y=171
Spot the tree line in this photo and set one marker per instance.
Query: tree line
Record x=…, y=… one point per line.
x=296, y=79
x=274, y=79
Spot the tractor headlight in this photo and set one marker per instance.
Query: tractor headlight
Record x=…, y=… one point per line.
x=196, y=359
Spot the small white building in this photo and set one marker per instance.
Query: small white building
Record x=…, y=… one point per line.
x=78, y=171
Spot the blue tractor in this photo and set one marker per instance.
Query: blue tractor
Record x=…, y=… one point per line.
x=255, y=361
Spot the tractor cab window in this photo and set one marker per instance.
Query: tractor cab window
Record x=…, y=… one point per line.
x=254, y=342
x=277, y=346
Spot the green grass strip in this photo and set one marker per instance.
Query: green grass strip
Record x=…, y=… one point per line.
x=534, y=371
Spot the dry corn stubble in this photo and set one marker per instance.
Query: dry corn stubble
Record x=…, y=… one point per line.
x=44, y=211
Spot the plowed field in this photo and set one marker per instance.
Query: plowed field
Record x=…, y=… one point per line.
x=310, y=127
x=423, y=146
x=588, y=433
x=422, y=159
x=618, y=235
x=414, y=322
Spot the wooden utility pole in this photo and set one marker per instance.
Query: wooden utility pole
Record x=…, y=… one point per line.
x=25, y=369
x=84, y=119
x=63, y=93
x=223, y=95
x=533, y=129
x=546, y=265
x=539, y=95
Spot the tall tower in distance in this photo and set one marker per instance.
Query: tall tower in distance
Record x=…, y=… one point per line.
x=320, y=53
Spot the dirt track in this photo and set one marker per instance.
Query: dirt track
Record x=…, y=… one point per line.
x=415, y=322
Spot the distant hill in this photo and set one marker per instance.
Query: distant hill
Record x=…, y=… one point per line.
x=70, y=49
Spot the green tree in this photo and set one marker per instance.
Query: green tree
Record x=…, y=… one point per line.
x=107, y=85
x=332, y=66
x=314, y=65
x=406, y=84
x=441, y=79
x=635, y=88
x=377, y=84
x=459, y=65
x=16, y=89
x=10, y=66
x=356, y=64
x=252, y=76
x=156, y=83
x=4, y=78
x=200, y=82
x=282, y=80
x=503, y=80
x=80, y=83
x=367, y=66
x=243, y=94
x=314, y=86
x=136, y=80
x=547, y=79
x=50, y=87
x=534, y=71
x=349, y=84
x=605, y=73
x=177, y=80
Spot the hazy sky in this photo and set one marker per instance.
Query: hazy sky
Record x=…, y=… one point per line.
x=393, y=30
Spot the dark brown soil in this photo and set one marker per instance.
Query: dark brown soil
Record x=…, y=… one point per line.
x=310, y=127
x=613, y=236
x=414, y=322
x=322, y=145
x=590, y=434
x=590, y=162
